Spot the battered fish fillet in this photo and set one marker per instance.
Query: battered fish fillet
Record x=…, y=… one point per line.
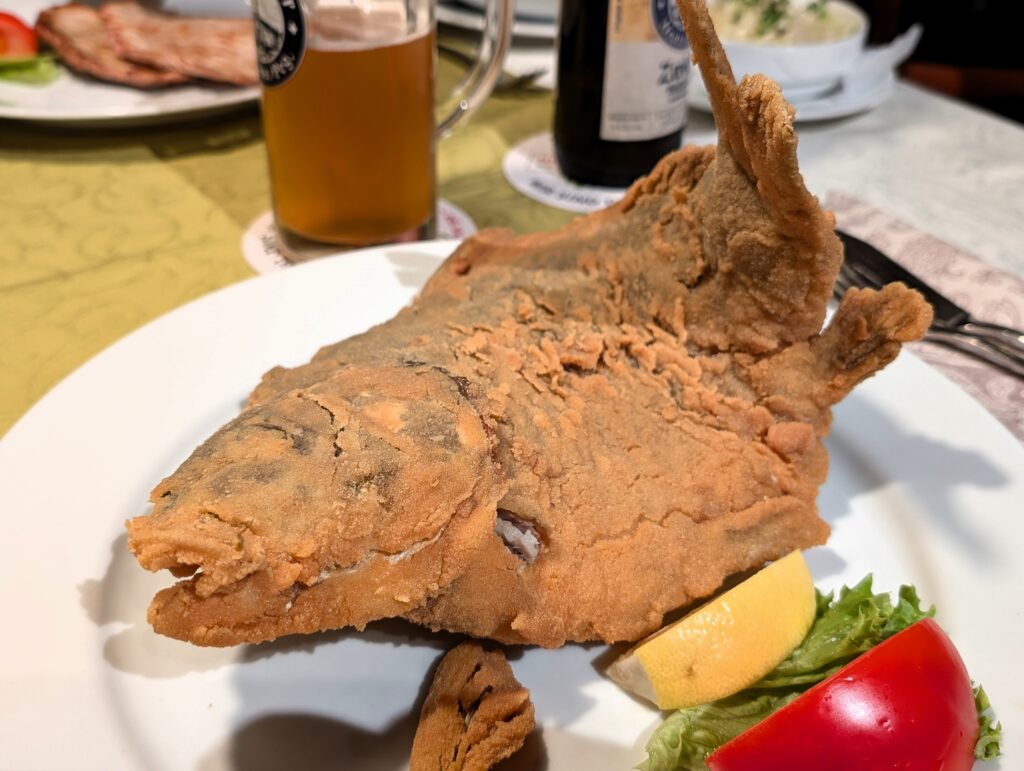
x=475, y=714
x=566, y=436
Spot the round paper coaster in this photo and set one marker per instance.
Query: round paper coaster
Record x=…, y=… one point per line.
x=531, y=168
x=263, y=251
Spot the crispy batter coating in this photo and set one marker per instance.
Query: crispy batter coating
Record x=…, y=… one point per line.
x=77, y=33
x=219, y=50
x=650, y=388
x=475, y=714
x=331, y=506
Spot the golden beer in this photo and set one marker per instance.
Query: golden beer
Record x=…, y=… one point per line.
x=350, y=142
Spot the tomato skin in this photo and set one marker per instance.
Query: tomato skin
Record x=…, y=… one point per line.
x=905, y=705
x=16, y=39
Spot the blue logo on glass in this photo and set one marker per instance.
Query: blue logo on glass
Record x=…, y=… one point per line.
x=669, y=23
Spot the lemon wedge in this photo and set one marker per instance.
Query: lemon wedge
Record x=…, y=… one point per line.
x=726, y=644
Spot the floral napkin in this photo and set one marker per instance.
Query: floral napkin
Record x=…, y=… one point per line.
x=988, y=293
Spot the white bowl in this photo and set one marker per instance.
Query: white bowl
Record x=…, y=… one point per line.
x=803, y=70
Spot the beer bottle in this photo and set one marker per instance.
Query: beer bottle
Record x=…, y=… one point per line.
x=623, y=66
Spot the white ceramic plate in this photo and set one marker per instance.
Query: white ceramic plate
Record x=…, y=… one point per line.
x=869, y=83
x=77, y=100
x=925, y=487
x=540, y=10
x=851, y=97
x=457, y=15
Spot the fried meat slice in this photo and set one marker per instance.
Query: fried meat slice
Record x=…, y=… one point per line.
x=475, y=714
x=76, y=32
x=219, y=50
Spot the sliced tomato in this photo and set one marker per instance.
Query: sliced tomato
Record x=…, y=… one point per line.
x=906, y=704
x=17, y=40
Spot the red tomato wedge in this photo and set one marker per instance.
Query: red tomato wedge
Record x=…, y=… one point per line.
x=905, y=705
x=17, y=40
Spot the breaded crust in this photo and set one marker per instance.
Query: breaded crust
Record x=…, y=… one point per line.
x=218, y=50
x=76, y=32
x=653, y=385
x=475, y=714
x=305, y=513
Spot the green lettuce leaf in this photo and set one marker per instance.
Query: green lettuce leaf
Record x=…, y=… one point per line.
x=688, y=736
x=843, y=628
x=990, y=733
x=33, y=71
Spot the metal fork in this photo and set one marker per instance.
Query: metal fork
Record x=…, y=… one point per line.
x=965, y=341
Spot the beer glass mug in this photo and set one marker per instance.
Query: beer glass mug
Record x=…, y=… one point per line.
x=349, y=114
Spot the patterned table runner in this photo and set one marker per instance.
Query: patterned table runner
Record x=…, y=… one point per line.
x=988, y=293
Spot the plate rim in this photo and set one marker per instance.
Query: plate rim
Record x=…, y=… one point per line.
x=438, y=244
x=467, y=18
x=228, y=97
x=439, y=248
x=873, y=95
x=479, y=5
x=128, y=114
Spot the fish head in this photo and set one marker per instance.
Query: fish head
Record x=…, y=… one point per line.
x=356, y=498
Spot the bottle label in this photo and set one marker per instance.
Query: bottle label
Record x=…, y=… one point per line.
x=280, y=39
x=646, y=70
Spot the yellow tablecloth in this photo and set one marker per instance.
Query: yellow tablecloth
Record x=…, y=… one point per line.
x=106, y=229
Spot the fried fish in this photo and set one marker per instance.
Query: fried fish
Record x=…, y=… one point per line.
x=566, y=436
x=476, y=713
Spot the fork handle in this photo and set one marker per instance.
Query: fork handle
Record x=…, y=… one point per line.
x=1010, y=340
x=980, y=349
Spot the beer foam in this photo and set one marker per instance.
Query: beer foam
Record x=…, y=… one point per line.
x=347, y=25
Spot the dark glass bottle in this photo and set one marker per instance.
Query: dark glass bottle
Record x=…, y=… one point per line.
x=610, y=130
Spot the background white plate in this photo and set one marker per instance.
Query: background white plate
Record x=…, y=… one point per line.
x=77, y=100
x=852, y=97
x=456, y=15
x=925, y=487
x=541, y=10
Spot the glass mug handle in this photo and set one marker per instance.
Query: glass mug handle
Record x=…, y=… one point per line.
x=480, y=80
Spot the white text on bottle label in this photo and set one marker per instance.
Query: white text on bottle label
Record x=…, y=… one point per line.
x=646, y=70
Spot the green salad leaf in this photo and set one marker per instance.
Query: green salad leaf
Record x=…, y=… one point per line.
x=688, y=736
x=32, y=70
x=774, y=13
x=990, y=733
x=819, y=8
x=843, y=628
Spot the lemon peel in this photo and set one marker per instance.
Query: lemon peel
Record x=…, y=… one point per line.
x=725, y=645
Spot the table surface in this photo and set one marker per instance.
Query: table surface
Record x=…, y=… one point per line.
x=106, y=230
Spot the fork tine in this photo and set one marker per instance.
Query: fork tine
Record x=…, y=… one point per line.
x=842, y=285
x=862, y=276
x=849, y=278
x=848, y=274
x=856, y=278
